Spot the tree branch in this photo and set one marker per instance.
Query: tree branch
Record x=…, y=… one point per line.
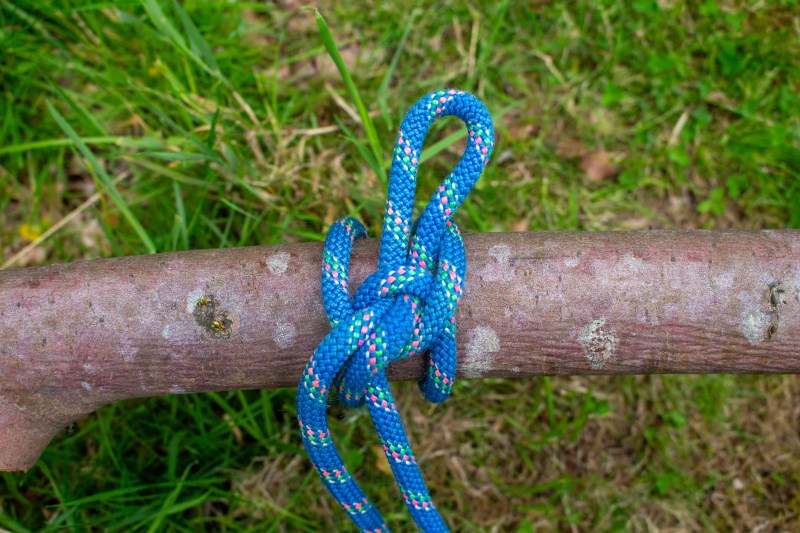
x=75, y=337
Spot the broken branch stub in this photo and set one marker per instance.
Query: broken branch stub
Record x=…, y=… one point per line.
x=75, y=337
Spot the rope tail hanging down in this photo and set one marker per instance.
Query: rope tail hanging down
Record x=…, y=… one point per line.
x=406, y=307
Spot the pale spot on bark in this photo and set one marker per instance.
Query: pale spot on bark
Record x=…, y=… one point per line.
x=572, y=262
x=755, y=325
x=599, y=343
x=482, y=344
x=501, y=252
x=797, y=285
x=177, y=389
x=632, y=262
x=278, y=263
x=86, y=385
x=192, y=299
x=284, y=335
x=724, y=280
x=128, y=351
x=499, y=268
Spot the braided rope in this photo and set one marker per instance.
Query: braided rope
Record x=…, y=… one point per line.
x=406, y=307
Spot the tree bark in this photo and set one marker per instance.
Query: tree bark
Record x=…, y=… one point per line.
x=77, y=336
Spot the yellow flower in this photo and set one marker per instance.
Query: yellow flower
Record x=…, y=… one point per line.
x=154, y=69
x=30, y=232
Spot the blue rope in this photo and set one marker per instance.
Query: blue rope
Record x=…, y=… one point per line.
x=406, y=307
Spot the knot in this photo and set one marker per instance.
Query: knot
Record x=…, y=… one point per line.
x=411, y=309
x=406, y=307
x=393, y=283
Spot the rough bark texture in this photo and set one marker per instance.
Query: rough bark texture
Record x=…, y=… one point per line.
x=75, y=337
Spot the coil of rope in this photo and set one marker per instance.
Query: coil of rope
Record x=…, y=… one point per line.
x=406, y=307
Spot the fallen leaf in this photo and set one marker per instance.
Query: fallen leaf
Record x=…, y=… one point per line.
x=520, y=225
x=521, y=130
x=720, y=98
x=597, y=165
x=569, y=148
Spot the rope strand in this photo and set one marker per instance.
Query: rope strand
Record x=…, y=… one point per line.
x=406, y=307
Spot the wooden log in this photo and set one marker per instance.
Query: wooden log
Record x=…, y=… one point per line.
x=77, y=336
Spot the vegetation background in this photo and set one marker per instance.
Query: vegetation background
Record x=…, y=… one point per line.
x=138, y=126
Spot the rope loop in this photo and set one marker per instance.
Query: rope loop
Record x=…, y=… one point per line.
x=406, y=307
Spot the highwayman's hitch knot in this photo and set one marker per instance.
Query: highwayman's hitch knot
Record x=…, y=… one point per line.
x=406, y=307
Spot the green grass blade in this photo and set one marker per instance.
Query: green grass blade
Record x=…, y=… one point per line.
x=366, y=120
x=163, y=24
x=383, y=89
x=198, y=45
x=169, y=506
x=102, y=178
x=130, y=142
x=168, y=30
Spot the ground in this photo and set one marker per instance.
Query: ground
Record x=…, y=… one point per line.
x=131, y=127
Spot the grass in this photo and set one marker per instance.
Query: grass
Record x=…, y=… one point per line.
x=219, y=124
